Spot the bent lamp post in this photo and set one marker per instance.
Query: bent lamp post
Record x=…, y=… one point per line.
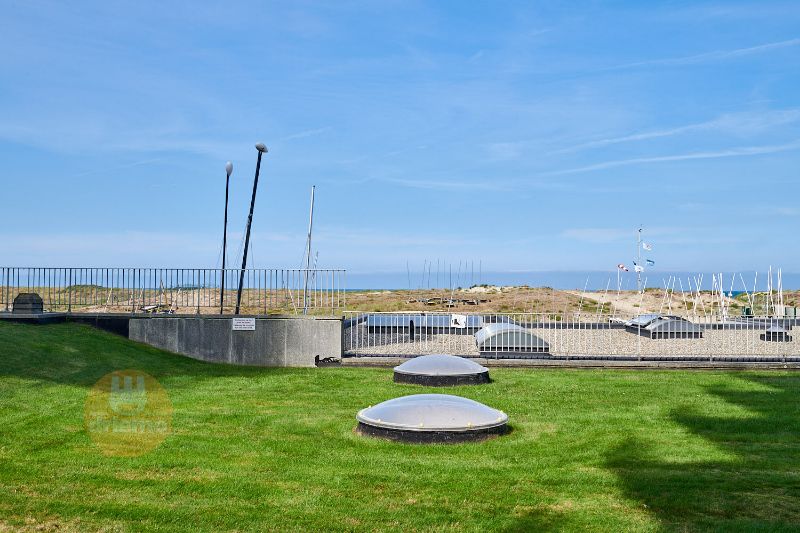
x=261, y=151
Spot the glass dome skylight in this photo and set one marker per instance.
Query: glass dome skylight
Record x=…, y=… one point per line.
x=431, y=418
x=440, y=370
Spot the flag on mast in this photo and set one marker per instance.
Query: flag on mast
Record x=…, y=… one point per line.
x=647, y=246
x=622, y=267
x=650, y=262
x=638, y=268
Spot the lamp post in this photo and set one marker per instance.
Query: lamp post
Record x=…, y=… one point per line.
x=262, y=149
x=228, y=172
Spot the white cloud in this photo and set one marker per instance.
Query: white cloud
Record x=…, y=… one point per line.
x=448, y=185
x=135, y=248
x=307, y=133
x=743, y=123
x=505, y=150
x=765, y=210
x=711, y=56
x=760, y=210
x=598, y=235
x=733, y=152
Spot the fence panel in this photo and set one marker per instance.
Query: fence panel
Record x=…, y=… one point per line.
x=537, y=335
x=177, y=290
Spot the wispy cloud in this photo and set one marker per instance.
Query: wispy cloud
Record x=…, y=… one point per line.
x=365, y=237
x=743, y=123
x=630, y=138
x=663, y=235
x=733, y=152
x=597, y=235
x=142, y=248
x=761, y=210
x=307, y=133
x=716, y=55
x=694, y=207
x=518, y=185
x=488, y=185
x=505, y=150
x=774, y=211
x=113, y=244
x=606, y=234
x=120, y=167
x=66, y=135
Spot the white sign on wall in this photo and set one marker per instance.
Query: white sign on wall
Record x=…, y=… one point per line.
x=458, y=321
x=243, y=324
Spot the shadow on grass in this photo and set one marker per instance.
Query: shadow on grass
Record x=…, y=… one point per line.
x=757, y=485
x=79, y=355
x=544, y=521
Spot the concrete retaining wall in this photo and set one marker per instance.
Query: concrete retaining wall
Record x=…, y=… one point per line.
x=276, y=341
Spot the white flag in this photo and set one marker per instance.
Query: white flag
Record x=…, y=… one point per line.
x=638, y=268
x=647, y=246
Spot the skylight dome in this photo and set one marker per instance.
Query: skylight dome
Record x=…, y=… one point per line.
x=441, y=370
x=508, y=338
x=431, y=418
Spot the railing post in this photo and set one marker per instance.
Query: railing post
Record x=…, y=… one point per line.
x=639, y=341
x=7, y=283
x=69, y=292
x=786, y=325
x=133, y=290
x=198, y=291
x=711, y=352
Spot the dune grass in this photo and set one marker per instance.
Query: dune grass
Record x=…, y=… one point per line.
x=274, y=449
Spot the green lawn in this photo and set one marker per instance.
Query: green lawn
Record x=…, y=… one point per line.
x=268, y=449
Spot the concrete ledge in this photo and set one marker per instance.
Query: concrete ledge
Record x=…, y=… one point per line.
x=276, y=341
x=34, y=318
x=113, y=322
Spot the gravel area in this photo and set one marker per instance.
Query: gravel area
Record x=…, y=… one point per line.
x=605, y=342
x=358, y=341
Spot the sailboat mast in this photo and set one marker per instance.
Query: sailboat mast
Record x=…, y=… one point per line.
x=308, y=252
x=639, y=260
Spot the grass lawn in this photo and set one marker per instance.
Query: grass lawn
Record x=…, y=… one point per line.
x=274, y=449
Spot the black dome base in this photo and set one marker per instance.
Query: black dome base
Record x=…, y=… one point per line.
x=442, y=381
x=430, y=437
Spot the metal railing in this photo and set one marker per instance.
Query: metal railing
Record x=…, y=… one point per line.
x=176, y=290
x=537, y=335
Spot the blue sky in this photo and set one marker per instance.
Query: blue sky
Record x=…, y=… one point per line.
x=530, y=136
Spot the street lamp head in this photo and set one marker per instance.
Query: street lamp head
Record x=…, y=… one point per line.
x=261, y=147
x=229, y=168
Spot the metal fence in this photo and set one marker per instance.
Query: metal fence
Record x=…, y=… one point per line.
x=176, y=290
x=538, y=335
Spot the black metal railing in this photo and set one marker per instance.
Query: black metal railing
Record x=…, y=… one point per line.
x=176, y=290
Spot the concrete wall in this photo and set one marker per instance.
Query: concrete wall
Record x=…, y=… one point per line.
x=276, y=341
x=114, y=323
